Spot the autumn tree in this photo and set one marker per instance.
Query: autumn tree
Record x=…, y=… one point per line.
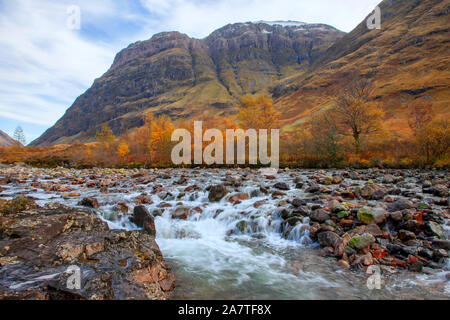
x=160, y=139
x=257, y=112
x=436, y=139
x=419, y=118
x=105, y=135
x=325, y=136
x=355, y=113
x=123, y=149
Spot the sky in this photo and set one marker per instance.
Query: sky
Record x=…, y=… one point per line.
x=49, y=57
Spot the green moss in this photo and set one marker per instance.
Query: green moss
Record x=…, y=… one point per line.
x=365, y=216
x=342, y=214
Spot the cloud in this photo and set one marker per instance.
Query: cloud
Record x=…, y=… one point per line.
x=45, y=66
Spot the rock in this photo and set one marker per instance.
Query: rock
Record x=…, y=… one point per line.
x=374, y=230
x=182, y=213
x=238, y=197
x=281, y=186
x=328, y=239
x=89, y=202
x=319, y=215
x=217, y=192
x=298, y=202
x=406, y=235
x=241, y=225
x=343, y=263
x=94, y=248
x=441, y=244
x=54, y=239
x=400, y=204
x=397, y=216
x=388, y=178
x=440, y=190
x=416, y=266
x=372, y=191
x=435, y=229
x=143, y=219
x=292, y=221
x=365, y=216
x=362, y=241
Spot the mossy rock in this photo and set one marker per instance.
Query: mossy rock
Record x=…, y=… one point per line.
x=365, y=216
x=342, y=214
x=242, y=225
x=361, y=241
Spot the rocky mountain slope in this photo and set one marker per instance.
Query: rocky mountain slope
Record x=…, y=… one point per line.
x=184, y=77
x=303, y=66
x=408, y=58
x=5, y=139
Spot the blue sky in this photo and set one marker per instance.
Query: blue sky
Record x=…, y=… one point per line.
x=45, y=65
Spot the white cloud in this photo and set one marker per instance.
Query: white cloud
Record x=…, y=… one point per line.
x=44, y=65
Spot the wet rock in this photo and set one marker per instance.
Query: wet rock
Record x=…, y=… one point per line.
x=365, y=216
x=374, y=230
x=45, y=243
x=361, y=241
x=400, y=204
x=441, y=244
x=281, y=186
x=217, y=192
x=416, y=266
x=319, y=215
x=372, y=191
x=406, y=235
x=143, y=219
x=181, y=213
x=328, y=239
x=397, y=216
x=435, y=229
x=89, y=202
x=238, y=197
x=241, y=225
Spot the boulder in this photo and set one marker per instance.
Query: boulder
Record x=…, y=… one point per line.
x=89, y=202
x=217, y=192
x=143, y=219
x=361, y=241
x=400, y=204
x=319, y=215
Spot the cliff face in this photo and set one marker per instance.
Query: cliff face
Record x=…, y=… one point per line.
x=184, y=77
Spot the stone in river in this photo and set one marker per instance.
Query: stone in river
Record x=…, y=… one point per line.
x=89, y=202
x=217, y=192
x=143, y=219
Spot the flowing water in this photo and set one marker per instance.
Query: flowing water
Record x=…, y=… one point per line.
x=213, y=259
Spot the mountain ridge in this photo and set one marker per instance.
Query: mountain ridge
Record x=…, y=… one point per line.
x=184, y=77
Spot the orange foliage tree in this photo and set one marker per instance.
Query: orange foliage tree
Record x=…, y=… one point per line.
x=355, y=114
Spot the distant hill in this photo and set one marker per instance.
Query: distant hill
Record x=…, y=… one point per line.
x=6, y=140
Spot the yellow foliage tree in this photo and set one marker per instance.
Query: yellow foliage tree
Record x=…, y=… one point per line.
x=257, y=112
x=160, y=138
x=123, y=149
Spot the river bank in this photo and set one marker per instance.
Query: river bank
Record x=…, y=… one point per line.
x=294, y=234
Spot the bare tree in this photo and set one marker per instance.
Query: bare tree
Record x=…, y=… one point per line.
x=19, y=135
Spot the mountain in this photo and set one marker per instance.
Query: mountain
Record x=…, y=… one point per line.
x=174, y=74
x=408, y=58
x=6, y=140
